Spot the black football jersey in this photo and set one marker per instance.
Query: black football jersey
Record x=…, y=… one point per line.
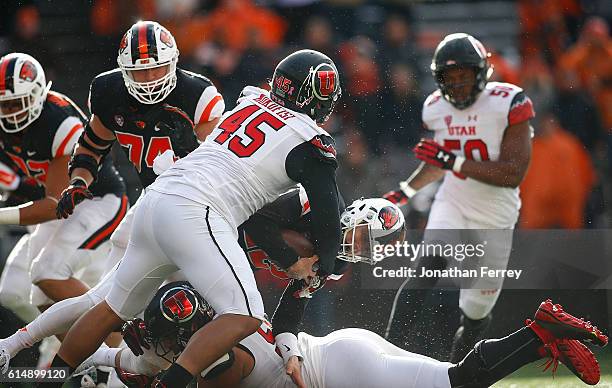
x=260, y=235
x=54, y=134
x=145, y=131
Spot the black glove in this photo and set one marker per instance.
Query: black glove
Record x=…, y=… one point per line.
x=74, y=194
x=133, y=332
x=181, y=129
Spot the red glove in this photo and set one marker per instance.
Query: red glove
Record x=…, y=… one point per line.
x=74, y=194
x=437, y=155
x=133, y=332
x=396, y=197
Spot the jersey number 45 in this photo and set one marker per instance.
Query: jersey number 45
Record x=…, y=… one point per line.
x=254, y=137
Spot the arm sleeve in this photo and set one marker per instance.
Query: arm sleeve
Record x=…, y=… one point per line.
x=290, y=310
x=95, y=101
x=315, y=170
x=265, y=226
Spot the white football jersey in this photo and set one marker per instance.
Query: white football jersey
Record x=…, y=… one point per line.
x=241, y=165
x=269, y=369
x=476, y=133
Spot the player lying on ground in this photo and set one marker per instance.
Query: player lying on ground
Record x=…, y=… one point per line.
x=284, y=229
x=278, y=238
x=344, y=358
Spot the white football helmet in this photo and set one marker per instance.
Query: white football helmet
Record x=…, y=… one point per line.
x=366, y=224
x=23, y=91
x=148, y=45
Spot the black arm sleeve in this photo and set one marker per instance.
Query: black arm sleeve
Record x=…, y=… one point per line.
x=290, y=310
x=316, y=172
x=265, y=226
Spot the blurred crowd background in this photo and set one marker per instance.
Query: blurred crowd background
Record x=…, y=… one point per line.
x=559, y=51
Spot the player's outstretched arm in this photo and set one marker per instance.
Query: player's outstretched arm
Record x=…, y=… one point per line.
x=43, y=210
x=95, y=142
x=514, y=158
x=421, y=177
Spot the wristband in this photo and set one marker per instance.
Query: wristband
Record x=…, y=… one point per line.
x=287, y=344
x=458, y=163
x=9, y=216
x=406, y=189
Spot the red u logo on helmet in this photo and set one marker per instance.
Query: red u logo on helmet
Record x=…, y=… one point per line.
x=327, y=82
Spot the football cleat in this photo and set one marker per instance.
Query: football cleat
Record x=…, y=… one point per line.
x=5, y=358
x=564, y=325
x=85, y=368
x=571, y=352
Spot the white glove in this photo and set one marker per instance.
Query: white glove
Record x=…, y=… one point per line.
x=163, y=161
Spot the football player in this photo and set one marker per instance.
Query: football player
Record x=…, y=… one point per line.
x=283, y=228
x=188, y=217
x=151, y=108
x=39, y=128
x=269, y=238
x=343, y=358
x=481, y=147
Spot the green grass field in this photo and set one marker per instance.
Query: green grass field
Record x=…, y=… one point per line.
x=531, y=376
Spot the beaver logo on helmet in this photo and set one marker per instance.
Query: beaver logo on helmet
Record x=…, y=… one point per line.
x=123, y=44
x=388, y=217
x=179, y=304
x=28, y=71
x=165, y=38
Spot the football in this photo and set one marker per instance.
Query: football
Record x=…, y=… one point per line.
x=299, y=242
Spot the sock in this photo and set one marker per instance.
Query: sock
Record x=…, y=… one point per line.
x=492, y=360
x=105, y=356
x=18, y=341
x=470, y=332
x=176, y=377
x=59, y=317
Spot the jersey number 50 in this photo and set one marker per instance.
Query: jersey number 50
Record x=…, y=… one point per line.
x=468, y=150
x=255, y=136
